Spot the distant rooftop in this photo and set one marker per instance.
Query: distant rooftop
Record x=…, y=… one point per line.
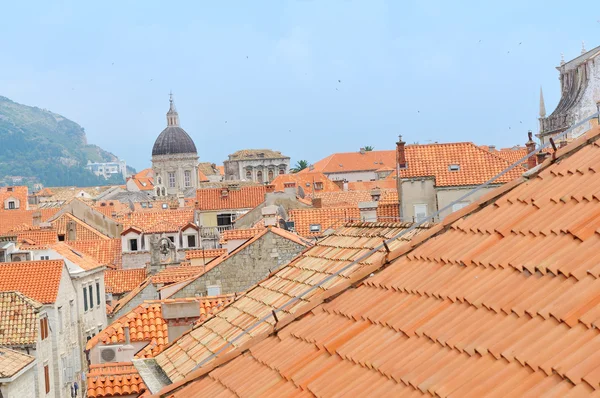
x=249, y=154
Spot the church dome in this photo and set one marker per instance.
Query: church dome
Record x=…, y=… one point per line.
x=173, y=139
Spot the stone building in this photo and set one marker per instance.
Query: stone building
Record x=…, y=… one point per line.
x=580, y=96
x=258, y=165
x=174, y=158
x=17, y=374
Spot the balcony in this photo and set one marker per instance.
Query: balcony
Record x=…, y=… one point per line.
x=214, y=232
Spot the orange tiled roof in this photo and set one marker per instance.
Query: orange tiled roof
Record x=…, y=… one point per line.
x=177, y=274
x=314, y=264
x=307, y=181
x=239, y=234
x=44, y=192
x=368, y=185
x=12, y=362
x=191, y=254
x=14, y=219
x=41, y=237
x=476, y=164
x=146, y=323
x=147, y=221
x=83, y=231
x=18, y=319
x=243, y=198
x=105, y=251
x=114, y=380
x=38, y=280
x=85, y=261
x=353, y=198
x=202, y=177
x=120, y=281
x=326, y=218
x=143, y=180
x=221, y=170
x=501, y=299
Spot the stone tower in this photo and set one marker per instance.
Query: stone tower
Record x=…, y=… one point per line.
x=174, y=158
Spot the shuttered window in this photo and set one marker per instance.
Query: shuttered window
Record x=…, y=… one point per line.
x=47, y=378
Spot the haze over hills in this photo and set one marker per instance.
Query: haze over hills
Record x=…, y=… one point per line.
x=42, y=146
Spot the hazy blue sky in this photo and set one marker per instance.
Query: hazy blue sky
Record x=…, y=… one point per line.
x=265, y=74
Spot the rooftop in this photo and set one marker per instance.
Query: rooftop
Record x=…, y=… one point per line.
x=501, y=299
x=38, y=280
x=246, y=197
x=105, y=251
x=12, y=362
x=118, y=281
x=251, y=154
x=114, y=380
x=172, y=220
x=18, y=319
x=308, y=182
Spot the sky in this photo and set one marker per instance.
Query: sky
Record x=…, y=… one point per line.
x=307, y=78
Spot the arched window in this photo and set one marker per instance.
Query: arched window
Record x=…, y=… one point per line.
x=259, y=176
x=159, y=181
x=271, y=175
x=163, y=192
x=281, y=171
x=248, y=175
x=157, y=191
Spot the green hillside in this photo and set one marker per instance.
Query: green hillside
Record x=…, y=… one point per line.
x=46, y=147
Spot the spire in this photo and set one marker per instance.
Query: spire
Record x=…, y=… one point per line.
x=542, y=104
x=172, y=115
x=562, y=59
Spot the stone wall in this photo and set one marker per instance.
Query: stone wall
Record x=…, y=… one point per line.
x=148, y=293
x=236, y=169
x=245, y=268
x=22, y=387
x=162, y=165
x=418, y=191
x=139, y=259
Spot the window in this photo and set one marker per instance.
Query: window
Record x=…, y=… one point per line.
x=157, y=191
x=259, y=176
x=133, y=245
x=172, y=239
x=271, y=175
x=213, y=290
x=11, y=205
x=454, y=167
x=47, y=378
x=171, y=180
x=44, y=327
x=144, y=205
x=72, y=315
x=281, y=171
x=459, y=205
x=91, y=291
x=187, y=178
x=85, y=303
x=2, y=256
x=164, y=206
x=44, y=257
x=60, y=319
x=98, y=292
x=248, y=175
x=159, y=181
x=63, y=365
x=191, y=241
x=224, y=219
x=315, y=227
x=61, y=238
x=163, y=192
x=420, y=212
x=318, y=186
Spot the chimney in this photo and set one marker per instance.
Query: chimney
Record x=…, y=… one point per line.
x=269, y=214
x=492, y=148
x=127, y=336
x=541, y=156
x=368, y=211
x=530, y=145
x=37, y=218
x=317, y=203
x=289, y=188
x=362, y=151
x=376, y=194
x=400, y=154
x=71, y=231
x=270, y=188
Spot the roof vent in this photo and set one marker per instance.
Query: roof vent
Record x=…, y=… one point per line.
x=454, y=167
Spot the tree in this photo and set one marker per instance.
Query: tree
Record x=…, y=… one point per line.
x=300, y=165
x=368, y=148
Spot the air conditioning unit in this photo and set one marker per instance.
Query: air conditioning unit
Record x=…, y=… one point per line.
x=109, y=353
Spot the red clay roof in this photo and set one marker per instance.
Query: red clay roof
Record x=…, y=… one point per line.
x=501, y=299
x=18, y=319
x=368, y=185
x=325, y=218
x=18, y=192
x=178, y=274
x=309, y=182
x=106, y=251
x=71, y=254
x=115, y=379
x=143, y=181
x=14, y=219
x=38, y=280
x=239, y=234
x=146, y=323
x=208, y=253
x=83, y=231
x=12, y=362
x=223, y=198
x=41, y=237
x=120, y=281
x=353, y=198
x=314, y=264
x=172, y=220
x=476, y=165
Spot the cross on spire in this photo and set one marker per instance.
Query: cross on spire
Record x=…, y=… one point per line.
x=172, y=115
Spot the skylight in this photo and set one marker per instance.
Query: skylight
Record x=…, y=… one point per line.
x=454, y=167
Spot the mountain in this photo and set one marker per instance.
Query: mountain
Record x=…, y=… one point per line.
x=42, y=146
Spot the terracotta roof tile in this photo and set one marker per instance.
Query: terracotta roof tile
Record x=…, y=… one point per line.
x=120, y=281
x=501, y=299
x=83, y=231
x=353, y=198
x=12, y=362
x=40, y=237
x=105, y=251
x=14, y=219
x=247, y=197
x=146, y=323
x=314, y=264
x=239, y=234
x=85, y=261
x=17, y=192
x=38, y=280
x=18, y=319
x=368, y=185
x=177, y=274
x=114, y=380
x=208, y=253
x=172, y=220
x=309, y=182
x=325, y=218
